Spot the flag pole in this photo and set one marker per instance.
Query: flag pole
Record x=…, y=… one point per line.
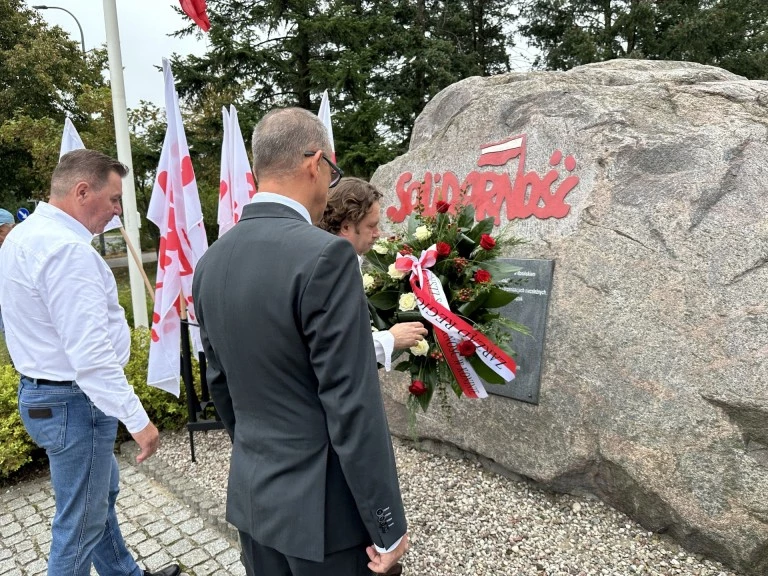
x=120, y=109
x=139, y=263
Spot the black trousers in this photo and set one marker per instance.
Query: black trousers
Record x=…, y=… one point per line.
x=261, y=560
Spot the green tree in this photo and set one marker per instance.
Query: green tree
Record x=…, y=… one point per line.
x=381, y=62
x=43, y=78
x=732, y=34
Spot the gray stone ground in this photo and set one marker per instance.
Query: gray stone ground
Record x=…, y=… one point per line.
x=159, y=526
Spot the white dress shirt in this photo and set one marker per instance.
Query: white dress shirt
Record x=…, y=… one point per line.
x=291, y=203
x=61, y=313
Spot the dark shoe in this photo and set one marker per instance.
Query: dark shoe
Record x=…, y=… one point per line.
x=396, y=570
x=172, y=570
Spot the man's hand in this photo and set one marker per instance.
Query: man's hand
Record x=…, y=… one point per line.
x=381, y=563
x=148, y=440
x=407, y=334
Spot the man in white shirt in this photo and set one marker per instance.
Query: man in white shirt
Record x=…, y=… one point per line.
x=353, y=212
x=68, y=337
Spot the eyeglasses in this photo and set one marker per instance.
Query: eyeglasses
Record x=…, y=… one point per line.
x=336, y=172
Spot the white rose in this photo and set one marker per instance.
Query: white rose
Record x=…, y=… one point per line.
x=421, y=348
x=422, y=233
x=407, y=301
x=367, y=282
x=380, y=247
x=394, y=273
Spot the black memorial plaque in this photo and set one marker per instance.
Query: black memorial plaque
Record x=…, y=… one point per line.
x=532, y=283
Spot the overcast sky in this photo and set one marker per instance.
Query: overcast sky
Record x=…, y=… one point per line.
x=144, y=41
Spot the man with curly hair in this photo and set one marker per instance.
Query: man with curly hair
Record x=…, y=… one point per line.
x=353, y=212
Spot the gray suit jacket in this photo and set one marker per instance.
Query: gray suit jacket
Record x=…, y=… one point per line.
x=293, y=375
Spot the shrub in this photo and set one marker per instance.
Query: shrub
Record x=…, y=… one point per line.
x=165, y=410
x=16, y=447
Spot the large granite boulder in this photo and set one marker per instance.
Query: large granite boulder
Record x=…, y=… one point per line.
x=647, y=183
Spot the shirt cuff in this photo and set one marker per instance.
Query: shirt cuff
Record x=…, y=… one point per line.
x=138, y=420
x=395, y=545
x=384, y=344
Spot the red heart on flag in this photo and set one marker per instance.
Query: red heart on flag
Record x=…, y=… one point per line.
x=223, y=189
x=162, y=179
x=187, y=173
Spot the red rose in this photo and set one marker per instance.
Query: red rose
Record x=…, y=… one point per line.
x=487, y=242
x=442, y=207
x=417, y=388
x=466, y=348
x=443, y=249
x=482, y=276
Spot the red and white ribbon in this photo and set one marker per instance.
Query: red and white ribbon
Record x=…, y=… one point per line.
x=452, y=330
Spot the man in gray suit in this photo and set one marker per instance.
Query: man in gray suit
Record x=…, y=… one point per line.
x=292, y=371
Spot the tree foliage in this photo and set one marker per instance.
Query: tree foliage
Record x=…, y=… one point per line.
x=381, y=61
x=732, y=34
x=44, y=77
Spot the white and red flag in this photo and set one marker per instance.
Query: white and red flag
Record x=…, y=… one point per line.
x=175, y=209
x=70, y=140
x=325, y=117
x=237, y=185
x=499, y=153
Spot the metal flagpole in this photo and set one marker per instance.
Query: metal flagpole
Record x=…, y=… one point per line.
x=130, y=212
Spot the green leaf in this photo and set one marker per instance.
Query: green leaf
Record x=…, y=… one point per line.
x=409, y=316
x=497, y=298
x=483, y=227
x=484, y=372
x=379, y=261
x=467, y=308
x=500, y=270
x=413, y=223
x=386, y=300
x=467, y=217
x=465, y=246
x=487, y=317
x=377, y=320
x=403, y=366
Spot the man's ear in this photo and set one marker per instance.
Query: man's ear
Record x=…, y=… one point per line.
x=314, y=164
x=345, y=229
x=82, y=189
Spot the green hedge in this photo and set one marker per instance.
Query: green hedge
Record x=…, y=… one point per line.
x=165, y=410
x=16, y=447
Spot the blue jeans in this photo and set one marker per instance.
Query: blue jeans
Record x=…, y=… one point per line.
x=79, y=440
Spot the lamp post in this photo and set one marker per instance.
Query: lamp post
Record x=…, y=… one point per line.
x=82, y=37
x=102, y=244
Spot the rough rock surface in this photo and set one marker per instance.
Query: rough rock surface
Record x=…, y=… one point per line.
x=654, y=390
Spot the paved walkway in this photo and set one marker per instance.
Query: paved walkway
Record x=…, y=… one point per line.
x=160, y=522
x=122, y=261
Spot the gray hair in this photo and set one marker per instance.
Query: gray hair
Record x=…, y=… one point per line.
x=282, y=136
x=84, y=166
